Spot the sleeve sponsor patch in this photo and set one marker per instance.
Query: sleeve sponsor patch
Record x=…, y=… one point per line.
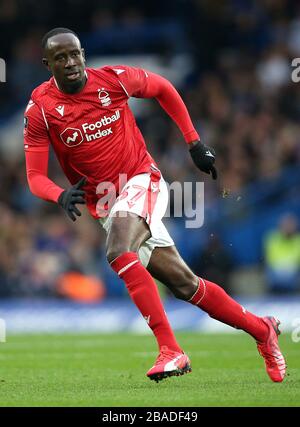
x=25, y=124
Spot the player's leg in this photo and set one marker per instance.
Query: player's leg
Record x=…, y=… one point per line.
x=142, y=200
x=167, y=266
x=125, y=236
x=127, y=232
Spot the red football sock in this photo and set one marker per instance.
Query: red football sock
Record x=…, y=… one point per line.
x=144, y=293
x=220, y=306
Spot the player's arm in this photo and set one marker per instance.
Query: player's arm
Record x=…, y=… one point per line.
x=172, y=103
x=36, y=145
x=144, y=84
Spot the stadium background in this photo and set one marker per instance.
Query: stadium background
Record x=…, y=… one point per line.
x=231, y=61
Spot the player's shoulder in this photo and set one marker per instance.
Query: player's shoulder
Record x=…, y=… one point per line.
x=126, y=78
x=40, y=96
x=33, y=108
x=41, y=91
x=113, y=72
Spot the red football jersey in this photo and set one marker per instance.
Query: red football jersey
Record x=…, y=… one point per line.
x=93, y=133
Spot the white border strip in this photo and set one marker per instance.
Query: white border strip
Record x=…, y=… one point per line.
x=45, y=117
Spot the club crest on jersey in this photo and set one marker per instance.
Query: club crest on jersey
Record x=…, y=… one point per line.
x=104, y=98
x=71, y=137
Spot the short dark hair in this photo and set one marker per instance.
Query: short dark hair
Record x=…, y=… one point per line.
x=54, y=32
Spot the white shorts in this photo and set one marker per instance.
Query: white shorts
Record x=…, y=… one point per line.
x=145, y=195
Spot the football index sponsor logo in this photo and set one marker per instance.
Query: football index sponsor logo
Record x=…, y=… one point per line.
x=71, y=137
x=2, y=71
x=96, y=127
x=90, y=131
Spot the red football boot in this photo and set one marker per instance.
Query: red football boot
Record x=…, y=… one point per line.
x=169, y=363
x=270, y=351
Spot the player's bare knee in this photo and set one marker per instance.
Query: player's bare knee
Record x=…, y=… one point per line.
x=115, y=246
x=113, y=253
x=115, y=250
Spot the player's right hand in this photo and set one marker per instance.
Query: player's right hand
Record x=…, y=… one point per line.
x=69, y=198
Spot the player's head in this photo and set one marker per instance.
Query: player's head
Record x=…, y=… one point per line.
x=64, y=57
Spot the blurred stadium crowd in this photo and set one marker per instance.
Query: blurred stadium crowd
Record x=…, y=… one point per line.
x=241, y=98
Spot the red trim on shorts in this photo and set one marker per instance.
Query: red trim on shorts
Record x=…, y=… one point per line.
x=151, y=196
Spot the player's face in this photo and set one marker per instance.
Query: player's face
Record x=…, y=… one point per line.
x=65, y=59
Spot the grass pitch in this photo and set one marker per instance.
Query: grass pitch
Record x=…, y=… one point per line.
x=109, y=370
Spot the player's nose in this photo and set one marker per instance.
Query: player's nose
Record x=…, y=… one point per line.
x=70, y=62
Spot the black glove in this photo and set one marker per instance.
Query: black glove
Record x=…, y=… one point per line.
x=204, y=158
x=68, y=199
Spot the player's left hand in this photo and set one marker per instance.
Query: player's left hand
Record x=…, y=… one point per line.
x=204, y=158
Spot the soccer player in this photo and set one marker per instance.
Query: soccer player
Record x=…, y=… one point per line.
x=84, y=114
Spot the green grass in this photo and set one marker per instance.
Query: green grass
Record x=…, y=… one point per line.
x=109, y=370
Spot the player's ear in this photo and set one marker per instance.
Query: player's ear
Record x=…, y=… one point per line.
x=46, y=63
x=83, y=54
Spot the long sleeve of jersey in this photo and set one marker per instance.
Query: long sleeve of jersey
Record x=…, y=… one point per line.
x=144, y=84
x=36, y=146
x=39, y=183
